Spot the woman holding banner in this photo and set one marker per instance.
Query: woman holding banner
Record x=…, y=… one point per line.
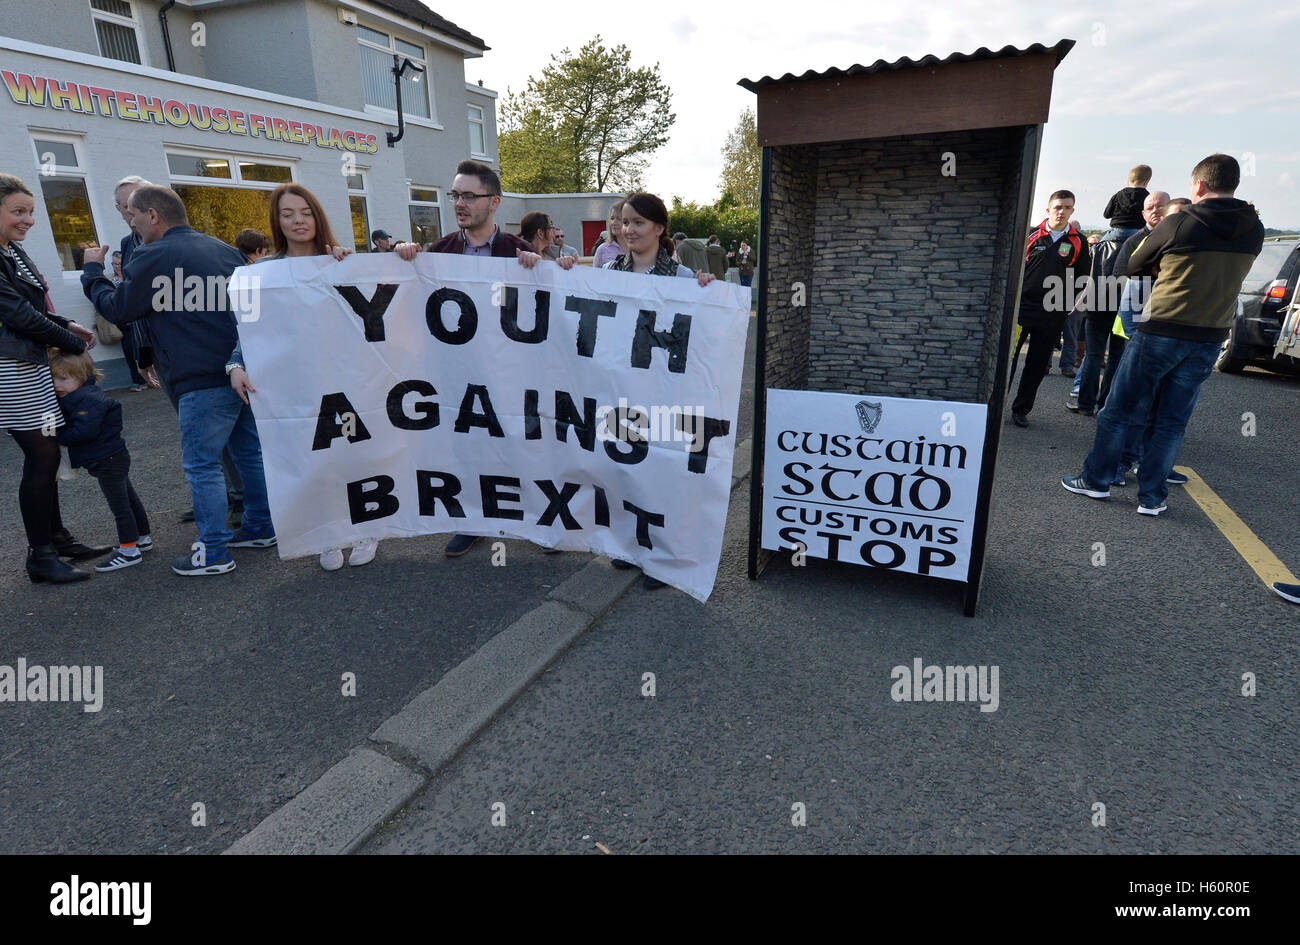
x=644, y=221
x=299, y=228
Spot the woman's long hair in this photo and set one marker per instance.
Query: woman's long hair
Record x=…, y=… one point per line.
x=324, y=235
x=653, y=209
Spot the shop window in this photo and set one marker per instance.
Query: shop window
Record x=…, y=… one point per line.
x=67, y=198
x=477, y=140
x=377, y=51
x=360, y=215
x=426, y=224
x=224, y=194
x=117, y=30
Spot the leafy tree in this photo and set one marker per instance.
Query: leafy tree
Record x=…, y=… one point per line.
x=533, y=159
x=741, y=162
x=730, y=222
x=588, y=122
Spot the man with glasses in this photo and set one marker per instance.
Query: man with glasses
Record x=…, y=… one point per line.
x=475, y=195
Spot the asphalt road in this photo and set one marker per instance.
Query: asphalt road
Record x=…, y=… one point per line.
x=1120, y=685
x=224, y=691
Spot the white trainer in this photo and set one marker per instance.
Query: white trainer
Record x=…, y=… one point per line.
x=363, y=552
x=332, y=560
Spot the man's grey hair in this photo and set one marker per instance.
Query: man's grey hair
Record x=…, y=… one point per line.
x=130, y=179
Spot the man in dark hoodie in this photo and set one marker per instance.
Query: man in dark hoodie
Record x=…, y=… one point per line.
x=1202, y=256
x=177, y=281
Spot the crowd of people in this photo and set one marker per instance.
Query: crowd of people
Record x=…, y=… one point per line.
x=1152, y=298
x=1150, y=302
x=49, y=394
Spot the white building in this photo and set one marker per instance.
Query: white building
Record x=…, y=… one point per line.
x=224, y=99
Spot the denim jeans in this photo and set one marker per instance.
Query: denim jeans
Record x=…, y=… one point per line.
x=1070, y=335
x=234, y=485
x=1158, y=375
x=1120, y=233
x=212, y=419
x=1096, y=336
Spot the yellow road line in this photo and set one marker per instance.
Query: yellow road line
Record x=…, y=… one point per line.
x=1255, y=552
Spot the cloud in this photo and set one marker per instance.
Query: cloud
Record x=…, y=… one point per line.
x=682, y=28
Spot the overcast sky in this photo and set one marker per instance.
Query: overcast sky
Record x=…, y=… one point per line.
x=1162, y=82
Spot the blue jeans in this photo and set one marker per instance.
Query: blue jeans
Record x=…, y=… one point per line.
x=212, y=419
x=747, y=280
x=1096, y=336
x=1157, y=375
x=1120, y=233
x=1070, y=341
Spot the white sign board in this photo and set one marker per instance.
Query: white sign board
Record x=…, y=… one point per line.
x=881, y=481
x=584, y=410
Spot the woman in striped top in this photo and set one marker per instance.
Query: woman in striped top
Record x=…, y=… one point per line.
x=29, y=409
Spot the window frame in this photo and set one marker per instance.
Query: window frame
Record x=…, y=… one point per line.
x=482, y=124
x=364, y=193
x=436, y=204
x=426, y=82
x=81, y=171
x=134, y=23
x=236, y=178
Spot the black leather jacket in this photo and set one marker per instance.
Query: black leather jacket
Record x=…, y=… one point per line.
x=26, y=329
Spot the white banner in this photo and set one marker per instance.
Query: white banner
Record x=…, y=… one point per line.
x=882, y=481
x=583, y=410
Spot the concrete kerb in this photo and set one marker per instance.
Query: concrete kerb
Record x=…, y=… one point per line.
x=351, y=800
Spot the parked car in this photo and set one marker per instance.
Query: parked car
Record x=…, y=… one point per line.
x=1266, y=295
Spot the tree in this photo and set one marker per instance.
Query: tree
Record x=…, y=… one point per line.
x=731, y=222
x=589, y=122
x=740, y=162
x=532, y=154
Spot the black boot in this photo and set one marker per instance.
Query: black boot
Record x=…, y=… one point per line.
x=43, y=564
x=69, y=547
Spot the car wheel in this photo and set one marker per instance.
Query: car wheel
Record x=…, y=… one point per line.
x=1227, y=364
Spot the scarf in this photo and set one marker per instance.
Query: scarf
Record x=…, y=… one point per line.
x=664, y=265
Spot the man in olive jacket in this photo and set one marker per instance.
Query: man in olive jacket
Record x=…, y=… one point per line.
x=1202, y=255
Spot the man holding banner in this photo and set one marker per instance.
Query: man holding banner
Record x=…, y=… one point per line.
x=475, y=196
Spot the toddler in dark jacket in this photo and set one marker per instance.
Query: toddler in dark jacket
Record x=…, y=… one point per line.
x=1124, y=209
x=92, y=432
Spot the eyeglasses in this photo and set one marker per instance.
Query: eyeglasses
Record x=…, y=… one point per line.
x=458, y=197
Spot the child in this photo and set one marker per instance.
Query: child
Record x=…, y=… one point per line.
x=93, y=436
x=1124, y=209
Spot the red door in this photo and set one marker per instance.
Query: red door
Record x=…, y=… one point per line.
x=591, y=230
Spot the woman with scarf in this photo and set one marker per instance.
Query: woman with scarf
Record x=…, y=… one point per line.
x=649, y=250
x=29, y=409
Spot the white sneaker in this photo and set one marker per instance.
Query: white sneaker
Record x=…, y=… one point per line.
x=144, y=543
x=332, y=560
x=363, y=552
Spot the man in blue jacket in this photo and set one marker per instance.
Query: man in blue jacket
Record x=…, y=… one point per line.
x=177, y=281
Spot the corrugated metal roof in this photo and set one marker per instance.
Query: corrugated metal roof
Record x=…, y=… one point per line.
x=925, y=62
x=422, y=14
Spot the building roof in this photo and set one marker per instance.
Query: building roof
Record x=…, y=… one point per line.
x=925, y=62
x=415, y=10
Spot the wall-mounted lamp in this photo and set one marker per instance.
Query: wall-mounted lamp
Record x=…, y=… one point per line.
x=400, y=67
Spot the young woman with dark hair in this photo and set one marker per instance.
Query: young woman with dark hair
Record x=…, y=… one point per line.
x=649, y=247
x=29, y=409
x=537, y=230
x=649, y=250
x=299, y=228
